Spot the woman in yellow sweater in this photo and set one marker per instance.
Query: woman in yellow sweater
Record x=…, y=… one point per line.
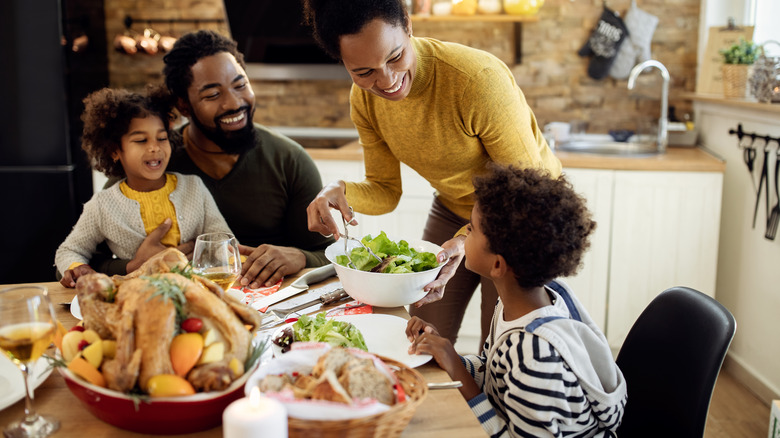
x=445, y=110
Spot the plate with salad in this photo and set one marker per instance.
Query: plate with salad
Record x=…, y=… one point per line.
x=384, y=335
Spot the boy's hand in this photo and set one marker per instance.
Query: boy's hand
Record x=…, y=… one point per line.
x=70, y=276
x=416, y=326
x=440, y=348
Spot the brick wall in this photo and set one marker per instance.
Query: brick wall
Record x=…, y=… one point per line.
x=551, y=74
x=135, y=71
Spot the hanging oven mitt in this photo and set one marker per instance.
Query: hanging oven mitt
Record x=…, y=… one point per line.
x=603, y=44
x=636, y=48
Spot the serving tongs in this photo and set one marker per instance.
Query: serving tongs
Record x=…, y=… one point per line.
x=346, y=237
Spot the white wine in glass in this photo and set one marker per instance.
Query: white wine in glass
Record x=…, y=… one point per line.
x=216, y=257
x=27, y=326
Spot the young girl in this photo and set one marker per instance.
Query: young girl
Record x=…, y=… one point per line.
x=128, y=135
x=545, y=369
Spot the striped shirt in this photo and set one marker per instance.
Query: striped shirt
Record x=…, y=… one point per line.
x=529, y=388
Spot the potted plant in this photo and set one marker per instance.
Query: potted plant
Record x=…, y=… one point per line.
x=737, y=60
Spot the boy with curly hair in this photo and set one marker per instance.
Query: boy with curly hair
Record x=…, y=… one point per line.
x=545, y=369
x=128, y=135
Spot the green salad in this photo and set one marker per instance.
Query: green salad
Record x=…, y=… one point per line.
x=397, y=258
x=322, y=329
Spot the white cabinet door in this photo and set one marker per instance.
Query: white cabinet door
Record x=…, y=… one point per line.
x=665, y=231
x=591, y=282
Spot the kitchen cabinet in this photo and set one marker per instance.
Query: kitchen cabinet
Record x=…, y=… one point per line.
x=591, y=282
x=665, y=230
x=655, y=230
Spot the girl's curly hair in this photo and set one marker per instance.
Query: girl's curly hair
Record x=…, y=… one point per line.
x=187, y=51
x=539, y=224
x=332, y=19
x=107, y=115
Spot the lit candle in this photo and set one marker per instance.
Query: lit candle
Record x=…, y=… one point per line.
x=255, y=416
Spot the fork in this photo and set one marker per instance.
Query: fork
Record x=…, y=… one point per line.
x=346, y=237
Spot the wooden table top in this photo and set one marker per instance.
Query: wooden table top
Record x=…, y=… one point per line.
x=443, y=413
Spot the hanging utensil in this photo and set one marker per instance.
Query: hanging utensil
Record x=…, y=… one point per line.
x=749, y=155
x=774, y=216
x=764, y=180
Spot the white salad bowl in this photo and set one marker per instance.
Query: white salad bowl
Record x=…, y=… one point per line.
x=379, y=289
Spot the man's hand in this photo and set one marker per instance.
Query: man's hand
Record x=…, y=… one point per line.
x=150, y=246
x=453, y=252
x=267, y=264
x=70, y=276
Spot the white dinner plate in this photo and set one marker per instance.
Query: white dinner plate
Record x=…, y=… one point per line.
x=11, y=383
x=75, y=309
x=385, y=335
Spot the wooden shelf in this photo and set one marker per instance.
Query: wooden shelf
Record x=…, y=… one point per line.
x=504, y=18
x=773, y=108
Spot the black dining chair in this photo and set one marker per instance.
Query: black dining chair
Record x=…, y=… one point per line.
x=670, y=359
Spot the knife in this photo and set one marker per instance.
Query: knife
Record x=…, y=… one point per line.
x=300, y=285
x=279, y=316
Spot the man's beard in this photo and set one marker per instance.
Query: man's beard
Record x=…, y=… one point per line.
x=231, y=142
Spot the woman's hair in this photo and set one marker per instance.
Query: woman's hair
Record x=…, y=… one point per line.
x=188, y=50
x=107, y=115
x=332, y=19
x=537, y=223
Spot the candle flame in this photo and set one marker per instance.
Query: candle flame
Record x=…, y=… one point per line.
x=254, y=397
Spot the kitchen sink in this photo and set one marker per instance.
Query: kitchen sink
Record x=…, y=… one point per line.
x=598, y=144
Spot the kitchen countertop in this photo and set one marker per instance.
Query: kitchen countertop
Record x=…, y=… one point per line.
x=676, y=159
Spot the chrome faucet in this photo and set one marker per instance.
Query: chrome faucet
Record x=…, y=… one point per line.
x=662, y=121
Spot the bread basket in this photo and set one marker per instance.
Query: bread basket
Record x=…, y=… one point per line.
x=386, y=424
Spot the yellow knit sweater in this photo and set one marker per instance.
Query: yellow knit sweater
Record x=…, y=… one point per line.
x=464, y=109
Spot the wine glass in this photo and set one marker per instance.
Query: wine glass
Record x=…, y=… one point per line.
x=27, y=326
x=216, y=257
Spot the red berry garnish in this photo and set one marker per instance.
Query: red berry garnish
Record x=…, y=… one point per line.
x=83, y=344
x=192, y=325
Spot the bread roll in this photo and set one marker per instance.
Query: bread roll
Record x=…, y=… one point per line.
x=333, y=360
x=367, y=381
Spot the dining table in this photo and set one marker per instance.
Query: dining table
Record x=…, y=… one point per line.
x=444, y=412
